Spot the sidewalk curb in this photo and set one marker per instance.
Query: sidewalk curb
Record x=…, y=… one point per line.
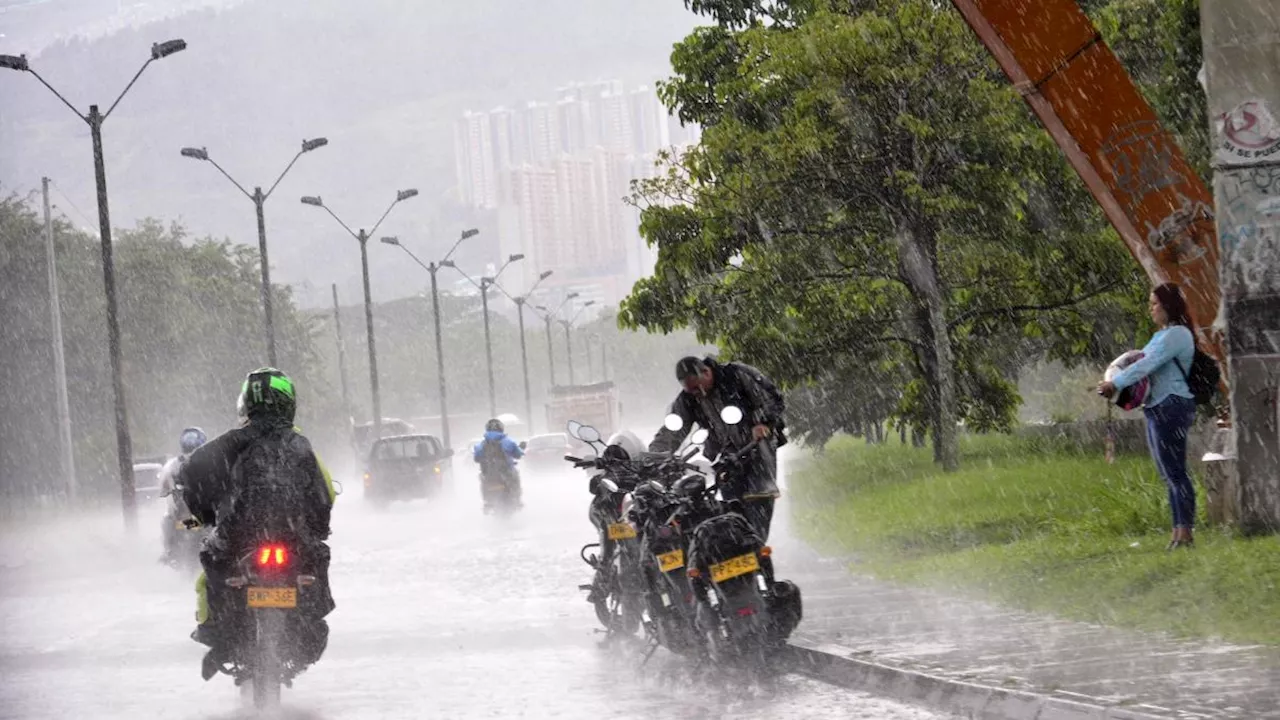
x=833, y=664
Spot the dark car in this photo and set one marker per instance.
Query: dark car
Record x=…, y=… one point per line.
x=546, y=452
x=405, y=467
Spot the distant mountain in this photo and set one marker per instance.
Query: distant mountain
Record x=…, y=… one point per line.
x=382, y=79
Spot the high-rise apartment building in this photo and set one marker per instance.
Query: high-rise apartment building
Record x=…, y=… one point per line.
x=557, y=173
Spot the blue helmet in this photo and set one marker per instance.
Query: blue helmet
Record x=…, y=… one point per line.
x=192, y=438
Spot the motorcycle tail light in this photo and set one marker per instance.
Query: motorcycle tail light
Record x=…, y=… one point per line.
x=746, y=612
x=272, y=555
x=694, y=572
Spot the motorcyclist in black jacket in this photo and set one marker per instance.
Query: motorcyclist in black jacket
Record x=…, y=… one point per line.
x=257, y=478
x=709, y=387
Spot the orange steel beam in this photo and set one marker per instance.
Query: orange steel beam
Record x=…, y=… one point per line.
x=1057, y=60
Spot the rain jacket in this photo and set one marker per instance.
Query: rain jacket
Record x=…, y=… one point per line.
x=260, y=477
x=748, y=389
x=510, y=449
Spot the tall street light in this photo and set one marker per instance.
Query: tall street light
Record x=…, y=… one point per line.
x=124, y=444
x=568, y=326
x=483, y=286
x=259, y=198
x=363, y=238
x=524, y=354
x=433, y=268
x=547, y=317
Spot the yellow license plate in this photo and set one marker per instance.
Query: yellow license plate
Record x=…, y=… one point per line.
x=273, y=597
x=734, y=567
x=671, y=560
x=621, y=531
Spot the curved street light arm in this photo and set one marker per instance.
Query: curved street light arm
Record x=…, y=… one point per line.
x=470, y=279
x=66, y=102
x=345, y=226
x=141, y=70
x=449, y=254
x=384, y=216
x=286, y=170
x=227, y=175
x=503, y=290
x=415, y=258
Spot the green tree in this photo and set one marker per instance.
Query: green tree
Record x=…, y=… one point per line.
x=869, y=191
x=190, y=330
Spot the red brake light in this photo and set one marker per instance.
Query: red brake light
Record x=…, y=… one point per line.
x=746, y=611
x=276, y=555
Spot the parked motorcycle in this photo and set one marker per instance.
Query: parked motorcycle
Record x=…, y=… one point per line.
x=743, y=612
x=616, y=588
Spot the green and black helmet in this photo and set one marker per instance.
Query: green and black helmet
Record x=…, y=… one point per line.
x=269, y=393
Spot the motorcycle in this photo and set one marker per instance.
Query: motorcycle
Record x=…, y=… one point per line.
x=743, y=612
x=616, y=587
x=188, y=536
x=501, y=491
x=270, y=619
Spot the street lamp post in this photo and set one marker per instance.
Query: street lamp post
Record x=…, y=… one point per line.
x=124, y=443
x=259, y=198
x=524, y=354
x=433, y=268
x=484, y=285
x=363, y=238
x=568, y=344
x=547, y=317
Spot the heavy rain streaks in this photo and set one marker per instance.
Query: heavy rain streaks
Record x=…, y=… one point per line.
x=442, y=612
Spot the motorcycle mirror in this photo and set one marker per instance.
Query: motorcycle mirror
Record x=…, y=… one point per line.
x=524, y=444
x=731, y=415
x=609, y=485
x=573, y=428
x=586, y=433
x=700, y=436
x=673, y=422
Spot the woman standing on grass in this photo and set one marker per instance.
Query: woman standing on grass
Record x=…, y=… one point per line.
x=1170, y=407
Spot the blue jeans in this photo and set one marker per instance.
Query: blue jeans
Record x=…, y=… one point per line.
x=1167, y=426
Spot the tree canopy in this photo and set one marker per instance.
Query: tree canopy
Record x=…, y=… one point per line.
x=874, y=217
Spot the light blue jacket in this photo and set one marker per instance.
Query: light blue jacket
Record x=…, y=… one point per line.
x=510, y=447
x=1158, y=364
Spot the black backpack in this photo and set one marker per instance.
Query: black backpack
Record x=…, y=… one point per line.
x=1202, y=379
x=493, y=459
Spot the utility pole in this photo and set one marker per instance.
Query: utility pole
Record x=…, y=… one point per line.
x=342, y=355
x=1242, y=80
x=363, y=237
x=68, y=466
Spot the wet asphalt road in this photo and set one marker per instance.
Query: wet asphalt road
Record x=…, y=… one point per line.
x=442, y=613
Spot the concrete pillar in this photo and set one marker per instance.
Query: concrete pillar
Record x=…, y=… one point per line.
x=1242, y=79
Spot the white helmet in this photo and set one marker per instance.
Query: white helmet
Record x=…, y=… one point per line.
x=628, y=442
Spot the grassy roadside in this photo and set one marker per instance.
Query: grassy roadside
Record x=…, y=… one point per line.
x=1042, y=526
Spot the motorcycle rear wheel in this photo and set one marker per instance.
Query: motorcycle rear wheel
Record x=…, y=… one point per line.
x=268, y=669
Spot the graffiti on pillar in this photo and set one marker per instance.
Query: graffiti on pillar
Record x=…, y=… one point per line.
x=1178, y=232
x=1251, y=258
x=1249, y=134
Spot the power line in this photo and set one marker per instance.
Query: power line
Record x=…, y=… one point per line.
x=88, y=224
